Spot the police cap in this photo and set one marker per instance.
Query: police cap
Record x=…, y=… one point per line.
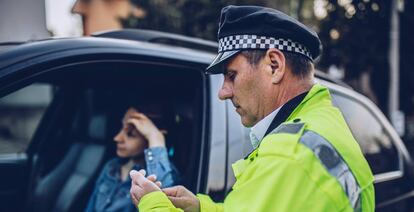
x=254, y=27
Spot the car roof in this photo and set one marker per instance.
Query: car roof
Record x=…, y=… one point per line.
x=15, y=54
x=136, y=41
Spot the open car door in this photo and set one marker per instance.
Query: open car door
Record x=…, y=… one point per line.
x=61, y=103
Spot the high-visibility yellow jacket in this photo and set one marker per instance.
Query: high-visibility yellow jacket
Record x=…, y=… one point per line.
x=311, y=162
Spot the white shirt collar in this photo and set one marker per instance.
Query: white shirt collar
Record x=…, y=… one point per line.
x=260, y=128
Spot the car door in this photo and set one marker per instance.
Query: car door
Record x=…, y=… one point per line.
x=383, y=149
x=25, y=75
x=21, y=110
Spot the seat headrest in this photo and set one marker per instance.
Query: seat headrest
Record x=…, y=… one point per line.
x=97, y=127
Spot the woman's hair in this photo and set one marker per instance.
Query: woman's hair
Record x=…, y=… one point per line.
x=158, y=111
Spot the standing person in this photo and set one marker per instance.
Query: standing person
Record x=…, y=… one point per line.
x=305, y=157
x=104, y=15
x=139, y=145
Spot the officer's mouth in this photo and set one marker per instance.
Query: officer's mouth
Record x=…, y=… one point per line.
x=235, y=105
x=238, y=109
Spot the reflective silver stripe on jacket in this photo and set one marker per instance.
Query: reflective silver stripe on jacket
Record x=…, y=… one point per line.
x=335, y=165
x=290, y=128
x=330, y=159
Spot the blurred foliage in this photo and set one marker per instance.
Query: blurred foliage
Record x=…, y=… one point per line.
x=354, y=33
x=355, y=36
x=362, y=41
x=197, y=18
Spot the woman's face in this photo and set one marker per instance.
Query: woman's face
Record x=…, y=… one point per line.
x=129, y=141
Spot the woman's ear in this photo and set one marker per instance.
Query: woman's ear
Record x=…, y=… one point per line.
x=276, y=62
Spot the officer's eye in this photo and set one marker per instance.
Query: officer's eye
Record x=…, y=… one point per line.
x=231, y=75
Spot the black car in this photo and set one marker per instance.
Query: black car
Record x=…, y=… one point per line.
x=61, y=102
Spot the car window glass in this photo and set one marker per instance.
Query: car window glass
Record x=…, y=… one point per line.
x=20, y=114
x=374, y=140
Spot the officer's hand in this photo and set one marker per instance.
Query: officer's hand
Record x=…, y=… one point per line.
x=183, y=198
x=140, y=186
x=153, y=178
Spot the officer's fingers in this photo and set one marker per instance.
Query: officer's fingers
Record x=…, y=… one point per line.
x=134, y=179
x=133, y=174
x=152, y=178
x=136, y=194
x=143, y=172
x=158, y=183
x=171, y=191
x=147, y=185
x=178, y=202
x=185, y=199
x=133, y=198
x=137, y=178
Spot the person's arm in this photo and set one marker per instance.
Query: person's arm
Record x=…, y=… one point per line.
x=159, y=164
x=157, y=201
x=207, y=204
x=274, y=183
x=178, y=199
x=156, y=156
x=279, y=183
x=147, y=195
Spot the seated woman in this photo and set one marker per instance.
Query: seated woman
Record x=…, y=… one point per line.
x=140, y=145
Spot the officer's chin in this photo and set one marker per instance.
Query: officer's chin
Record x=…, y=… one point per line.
x=247, y=123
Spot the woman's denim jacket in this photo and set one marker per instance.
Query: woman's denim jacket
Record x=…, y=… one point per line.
x=111, y=194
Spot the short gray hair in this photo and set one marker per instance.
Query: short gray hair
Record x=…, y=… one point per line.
x=300, y=65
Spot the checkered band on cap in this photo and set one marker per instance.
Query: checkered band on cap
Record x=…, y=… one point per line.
x=240, y=42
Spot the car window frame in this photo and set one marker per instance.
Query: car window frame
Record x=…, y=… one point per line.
x=39, y=69
x=377, y=114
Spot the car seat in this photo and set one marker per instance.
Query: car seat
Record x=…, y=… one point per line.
x=67, y=187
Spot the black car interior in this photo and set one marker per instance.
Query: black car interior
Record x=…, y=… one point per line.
x=75, y=136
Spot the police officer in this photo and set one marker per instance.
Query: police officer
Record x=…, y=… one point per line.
x=305, y=157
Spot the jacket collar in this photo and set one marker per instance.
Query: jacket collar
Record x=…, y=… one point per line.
x=295, y=105
x=285, y=111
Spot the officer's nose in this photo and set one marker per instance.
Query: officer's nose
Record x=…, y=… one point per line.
x=225, y=92
x=78, y=7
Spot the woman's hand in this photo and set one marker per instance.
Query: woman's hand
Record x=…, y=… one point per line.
x=146, y=127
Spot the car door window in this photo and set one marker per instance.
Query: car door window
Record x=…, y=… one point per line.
x=20, y=114
x=372, y=136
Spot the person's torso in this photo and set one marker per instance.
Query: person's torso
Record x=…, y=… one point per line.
x=316, y=137
x=112, y=192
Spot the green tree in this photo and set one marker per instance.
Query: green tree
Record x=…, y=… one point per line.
x=197, y=18
x=355, y=36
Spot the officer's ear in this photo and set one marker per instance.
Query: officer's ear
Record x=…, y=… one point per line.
x=275, y=64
